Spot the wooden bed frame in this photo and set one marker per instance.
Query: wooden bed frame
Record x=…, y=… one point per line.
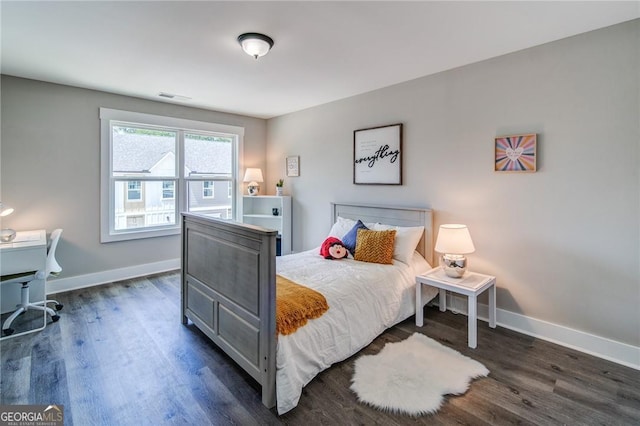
x=228, y=282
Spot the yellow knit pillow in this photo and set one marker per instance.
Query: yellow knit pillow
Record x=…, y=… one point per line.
x=375, y=246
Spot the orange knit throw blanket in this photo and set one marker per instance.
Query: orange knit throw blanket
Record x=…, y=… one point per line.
x=295, y=304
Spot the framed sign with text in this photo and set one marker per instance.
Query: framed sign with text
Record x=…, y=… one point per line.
x=377, y=155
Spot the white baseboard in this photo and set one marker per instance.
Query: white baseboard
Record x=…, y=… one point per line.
x=89, y=280
x=620, y=353
x=601, y=347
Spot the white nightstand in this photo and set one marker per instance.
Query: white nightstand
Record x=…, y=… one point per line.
x=471, y=284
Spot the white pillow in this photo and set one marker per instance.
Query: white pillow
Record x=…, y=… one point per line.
x=419, y=264
x=341, y=227
x=407, y=239
x=344, y=225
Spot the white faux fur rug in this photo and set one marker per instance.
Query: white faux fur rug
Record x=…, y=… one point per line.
x=413, y=376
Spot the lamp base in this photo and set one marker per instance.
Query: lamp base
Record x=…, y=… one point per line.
x=454, y=265
x=253, y=190
x=7, y=235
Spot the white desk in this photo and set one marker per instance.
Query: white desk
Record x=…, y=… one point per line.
x=26, y=253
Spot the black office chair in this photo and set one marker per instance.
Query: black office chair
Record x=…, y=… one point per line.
x=51, y=268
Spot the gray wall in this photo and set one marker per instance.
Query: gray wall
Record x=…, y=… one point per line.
x=50, y=163
x=563, y=241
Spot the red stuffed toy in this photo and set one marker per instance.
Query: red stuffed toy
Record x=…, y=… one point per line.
x=332, y=248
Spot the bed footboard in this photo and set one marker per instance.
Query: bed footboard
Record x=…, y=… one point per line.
x=228, y=292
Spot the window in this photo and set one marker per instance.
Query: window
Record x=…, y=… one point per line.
x=207, y=189
x=168, y=190
x=154, y=167
x=134, y=190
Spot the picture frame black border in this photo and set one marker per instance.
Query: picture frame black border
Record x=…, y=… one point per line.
x=400, y=160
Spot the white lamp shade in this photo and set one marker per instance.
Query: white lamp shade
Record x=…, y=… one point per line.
x=253, y=175
x=454, y=239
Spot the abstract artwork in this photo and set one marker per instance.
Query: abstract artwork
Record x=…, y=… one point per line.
x=293, y=165
x=516, y=153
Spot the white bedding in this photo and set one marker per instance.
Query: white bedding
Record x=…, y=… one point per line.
x=363, y=302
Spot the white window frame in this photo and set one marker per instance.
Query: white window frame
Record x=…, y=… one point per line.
x=110, y=116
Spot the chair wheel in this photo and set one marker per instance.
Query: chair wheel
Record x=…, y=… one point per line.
x=8, y=331
x=59, y=307
x=55, y=318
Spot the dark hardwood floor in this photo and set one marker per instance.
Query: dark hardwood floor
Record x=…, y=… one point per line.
x=120, y=356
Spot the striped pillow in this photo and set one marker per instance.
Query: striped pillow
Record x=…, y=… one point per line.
x=375, y=246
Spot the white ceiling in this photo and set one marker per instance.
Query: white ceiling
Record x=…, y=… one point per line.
x=323, y=51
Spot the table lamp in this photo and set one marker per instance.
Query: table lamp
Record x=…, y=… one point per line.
x=6, y=235
x=454, y=241
x=253, y=176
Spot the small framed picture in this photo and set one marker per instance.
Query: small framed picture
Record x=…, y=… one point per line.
x=377, y=155
x=516, y=153
x=293, y=166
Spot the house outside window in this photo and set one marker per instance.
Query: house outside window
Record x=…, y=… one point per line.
x=135, y=221
x=208, y=189
x=168, y=190
x=154, y=167
x=134, y=190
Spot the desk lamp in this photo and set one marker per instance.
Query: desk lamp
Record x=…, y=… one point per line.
x=253, y=176
x=454, y=241
x=7, y=234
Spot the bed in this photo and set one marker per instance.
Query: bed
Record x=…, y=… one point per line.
x=228, y=291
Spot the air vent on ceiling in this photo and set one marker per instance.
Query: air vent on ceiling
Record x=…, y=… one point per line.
x=172, y=96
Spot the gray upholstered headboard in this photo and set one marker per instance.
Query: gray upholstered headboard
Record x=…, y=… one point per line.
x=391, y=215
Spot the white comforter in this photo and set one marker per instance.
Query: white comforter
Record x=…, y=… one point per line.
x=364, y=299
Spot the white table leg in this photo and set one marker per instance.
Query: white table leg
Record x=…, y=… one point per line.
x=473, y=322
x=419, y=306
x=442, y=302
x=492, y=306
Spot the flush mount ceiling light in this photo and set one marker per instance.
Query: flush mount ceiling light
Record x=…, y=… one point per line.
x=255, y=44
